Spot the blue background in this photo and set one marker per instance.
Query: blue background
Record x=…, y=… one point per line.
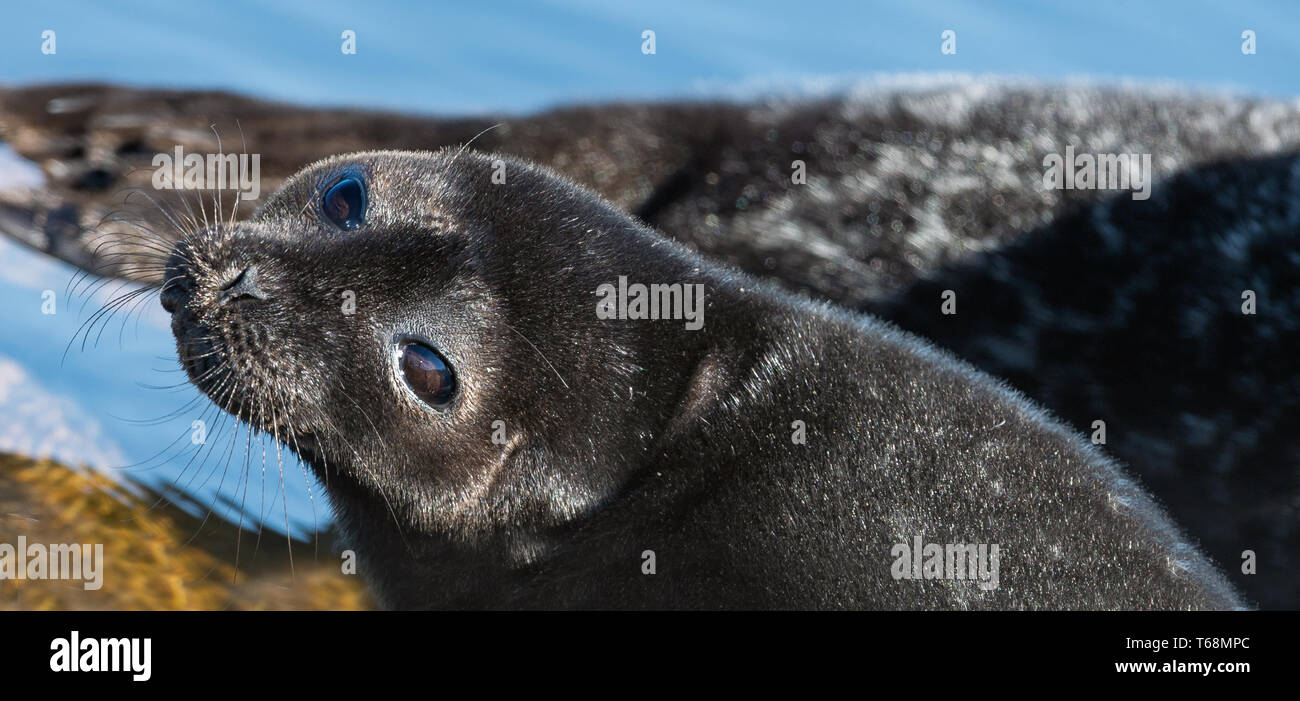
x=520, y=55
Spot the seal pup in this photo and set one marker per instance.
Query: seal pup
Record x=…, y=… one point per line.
x=426, y=330
x=1214, y=450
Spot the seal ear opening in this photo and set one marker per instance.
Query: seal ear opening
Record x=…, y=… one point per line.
x=426, y=374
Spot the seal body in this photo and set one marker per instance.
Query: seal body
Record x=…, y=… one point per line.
x=781, y=454
x=1094, y=305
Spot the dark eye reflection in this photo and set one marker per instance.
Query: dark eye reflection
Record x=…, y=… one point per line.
x=426, y=373
x=345, y=203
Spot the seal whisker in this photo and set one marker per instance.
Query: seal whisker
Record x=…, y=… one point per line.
x=465, y=146
x=539, y=353
x=243, y=145
x=243, y=500
x=190, y=224
x=279, y=464
x=175, y=482
x=230, y=450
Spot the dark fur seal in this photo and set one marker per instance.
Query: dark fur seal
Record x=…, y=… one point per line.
x=907, y=189
x=631, y=442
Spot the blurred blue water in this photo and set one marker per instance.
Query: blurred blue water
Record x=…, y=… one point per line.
x=520, y=55
x=119, y=402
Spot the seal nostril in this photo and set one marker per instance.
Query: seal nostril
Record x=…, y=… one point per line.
x=244, y=286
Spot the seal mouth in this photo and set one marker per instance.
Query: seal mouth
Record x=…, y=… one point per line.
x=198, y=355
x=211, y=373
x=225, y=365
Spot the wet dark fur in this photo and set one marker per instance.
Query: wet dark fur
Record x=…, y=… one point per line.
x=910, y=191
x=906, y=189
x=628, y=436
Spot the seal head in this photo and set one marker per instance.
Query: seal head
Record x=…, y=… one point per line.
x=399, y=321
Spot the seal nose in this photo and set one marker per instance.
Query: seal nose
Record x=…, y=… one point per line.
x=176, y=289
x=174, y=294
x=242, y=286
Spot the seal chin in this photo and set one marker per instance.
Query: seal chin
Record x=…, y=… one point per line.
x=241, y=386
x=209, y=362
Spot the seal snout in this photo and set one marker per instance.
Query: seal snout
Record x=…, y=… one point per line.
x=174, y=294
x=177, y=284
x=212, y=288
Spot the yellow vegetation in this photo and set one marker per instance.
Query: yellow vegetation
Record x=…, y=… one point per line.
x=157, y=557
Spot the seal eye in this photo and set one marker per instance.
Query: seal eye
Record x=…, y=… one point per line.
x=345, y=203
x=426, y=373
